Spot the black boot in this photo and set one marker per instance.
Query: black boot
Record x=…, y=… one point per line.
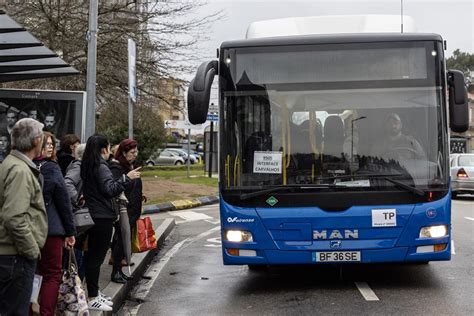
x=117, y=277
x=126, y=277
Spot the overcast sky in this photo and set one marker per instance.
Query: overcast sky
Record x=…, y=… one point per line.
x=452, y=19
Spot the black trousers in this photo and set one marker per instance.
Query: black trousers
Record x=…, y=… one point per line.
x=16, y=284
x=117, y=248
x=98, y=244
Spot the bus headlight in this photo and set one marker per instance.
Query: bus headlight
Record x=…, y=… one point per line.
x=434, y=231
x=238, y=236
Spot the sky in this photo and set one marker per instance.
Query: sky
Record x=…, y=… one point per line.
x=452, y=19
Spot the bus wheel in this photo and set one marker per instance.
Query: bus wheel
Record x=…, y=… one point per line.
x=257, y=267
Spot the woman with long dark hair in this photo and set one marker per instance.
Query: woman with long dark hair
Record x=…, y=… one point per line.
x=99, y=187
x=61, y=229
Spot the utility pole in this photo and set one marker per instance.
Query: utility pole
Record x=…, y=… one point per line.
x=91, y=69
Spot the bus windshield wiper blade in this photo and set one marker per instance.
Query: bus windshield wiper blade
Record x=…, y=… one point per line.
x=386, y=176
x=405, y=186
x=250, y=195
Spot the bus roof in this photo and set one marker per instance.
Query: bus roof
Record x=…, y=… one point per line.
x=332, y=39
x=331, y=24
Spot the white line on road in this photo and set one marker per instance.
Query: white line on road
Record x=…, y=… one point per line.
x=155, y=269
x=453, y=250
x=469, y=218
x=366, y=291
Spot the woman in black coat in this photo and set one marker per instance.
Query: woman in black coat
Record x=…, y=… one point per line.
x=125, y=157
x=99, y=187
x=61, y=229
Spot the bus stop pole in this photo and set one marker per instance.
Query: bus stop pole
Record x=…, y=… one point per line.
x=189, y=144
x=211, y=148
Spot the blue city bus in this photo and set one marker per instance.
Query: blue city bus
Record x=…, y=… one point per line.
x=333, y=148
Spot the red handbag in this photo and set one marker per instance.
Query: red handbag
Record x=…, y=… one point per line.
x=144, y=238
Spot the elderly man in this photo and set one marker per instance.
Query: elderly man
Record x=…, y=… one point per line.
x=23, y=219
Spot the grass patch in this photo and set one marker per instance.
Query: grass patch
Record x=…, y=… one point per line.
x=172, y=173
x=165, y=198
x=210, y=182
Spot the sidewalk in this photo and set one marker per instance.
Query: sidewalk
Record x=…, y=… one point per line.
x=163, y=228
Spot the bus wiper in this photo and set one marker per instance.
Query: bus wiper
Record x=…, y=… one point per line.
x=405, y=186
x=385, y=176
x=250, y=195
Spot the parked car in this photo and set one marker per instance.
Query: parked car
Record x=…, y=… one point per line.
x=165, y=157
x=182, y=153
x=462, y=174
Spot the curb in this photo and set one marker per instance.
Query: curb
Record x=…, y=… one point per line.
x=180, y=204
x=119, y=292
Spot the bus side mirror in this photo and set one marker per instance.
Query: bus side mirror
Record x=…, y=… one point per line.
x=458, y=106
x=199, y=92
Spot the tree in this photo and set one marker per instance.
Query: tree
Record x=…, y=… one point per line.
x=165, y=32
x=148, y=128
x=461, y=61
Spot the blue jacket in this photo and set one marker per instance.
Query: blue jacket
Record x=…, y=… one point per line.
x=56, y=200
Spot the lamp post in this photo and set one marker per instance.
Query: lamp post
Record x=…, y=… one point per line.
x=352, y=137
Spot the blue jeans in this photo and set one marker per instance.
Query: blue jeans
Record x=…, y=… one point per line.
x=16, y=284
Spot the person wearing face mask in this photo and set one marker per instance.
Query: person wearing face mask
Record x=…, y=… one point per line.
x=99, y=187
x=61, y=230
x=396, y=145
x=125, y=158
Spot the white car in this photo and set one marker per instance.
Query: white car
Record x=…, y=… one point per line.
x=165, y=157
x=462, y=174
x=184, y=154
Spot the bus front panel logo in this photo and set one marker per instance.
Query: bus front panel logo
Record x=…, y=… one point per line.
x=336, y=234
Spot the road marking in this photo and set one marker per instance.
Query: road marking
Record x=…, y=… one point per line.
x=155, y=269
x=469, y=218
x=214, y=242
x=366, y=291
x=453, y=250
x=190, y=216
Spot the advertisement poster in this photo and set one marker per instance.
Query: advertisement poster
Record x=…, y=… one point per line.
x=60, y=111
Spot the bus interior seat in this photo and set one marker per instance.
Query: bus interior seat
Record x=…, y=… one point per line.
x=333, y=136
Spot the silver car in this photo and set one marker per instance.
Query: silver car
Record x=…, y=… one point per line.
x=462, y=174
x=165, y=157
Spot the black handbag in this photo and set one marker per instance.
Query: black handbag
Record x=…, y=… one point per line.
x=83, y=220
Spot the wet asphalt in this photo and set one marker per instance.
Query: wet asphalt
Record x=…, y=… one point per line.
x=192, y=280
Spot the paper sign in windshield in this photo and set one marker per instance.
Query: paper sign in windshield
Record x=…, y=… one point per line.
x=267, y=162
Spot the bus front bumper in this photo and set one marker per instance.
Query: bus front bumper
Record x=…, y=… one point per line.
x=396, y=254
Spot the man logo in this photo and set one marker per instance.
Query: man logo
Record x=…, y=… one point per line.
x=336, y=234
x=335, y=244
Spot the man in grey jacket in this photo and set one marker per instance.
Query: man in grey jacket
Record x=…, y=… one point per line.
x=23, y=219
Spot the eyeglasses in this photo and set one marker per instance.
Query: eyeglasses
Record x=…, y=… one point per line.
x=49, y=145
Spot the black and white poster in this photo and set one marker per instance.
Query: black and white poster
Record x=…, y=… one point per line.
x=60, y=111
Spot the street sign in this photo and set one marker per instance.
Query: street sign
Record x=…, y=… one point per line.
x=132, y=70
x=213, y=108
x=212, y=117
x=181, y=125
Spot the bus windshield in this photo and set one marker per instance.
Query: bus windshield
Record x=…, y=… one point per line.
x=338, y=115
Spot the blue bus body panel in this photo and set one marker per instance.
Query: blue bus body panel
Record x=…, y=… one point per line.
x=294, y=235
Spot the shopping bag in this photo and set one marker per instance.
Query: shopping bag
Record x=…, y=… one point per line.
x=72, y=298
x=143, y=238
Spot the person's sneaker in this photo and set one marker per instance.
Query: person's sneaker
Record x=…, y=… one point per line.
x=107, y=298
x=99, y=304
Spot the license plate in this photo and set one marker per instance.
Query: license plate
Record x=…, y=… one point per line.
x=338, y=256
